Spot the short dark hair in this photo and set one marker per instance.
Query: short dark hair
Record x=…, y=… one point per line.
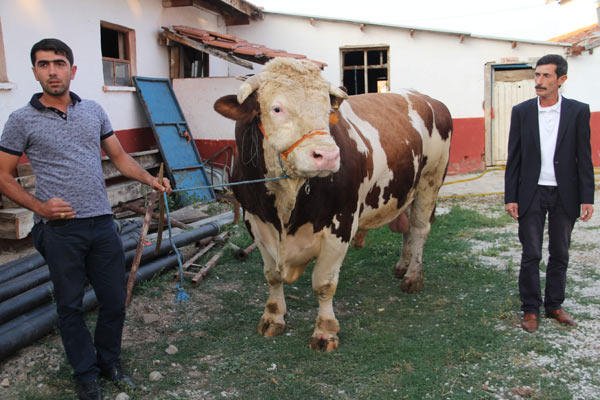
x=51, y=44
x=561, y=64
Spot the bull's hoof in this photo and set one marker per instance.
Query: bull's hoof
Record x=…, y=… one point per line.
x=359, y=239
x=270, y=328
x=411, y=285
x=400, y=271
x=324, y=343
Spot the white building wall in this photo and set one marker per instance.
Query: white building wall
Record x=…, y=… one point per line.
x=196, y=98
x=437, y=64
x=583, y=82
x=77, y=23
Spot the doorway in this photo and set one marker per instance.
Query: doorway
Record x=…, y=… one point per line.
x=507, y=86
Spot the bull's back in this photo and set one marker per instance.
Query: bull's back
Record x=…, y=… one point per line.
x=399, y=135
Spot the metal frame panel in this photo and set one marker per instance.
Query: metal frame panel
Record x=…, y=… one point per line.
x=182, y=160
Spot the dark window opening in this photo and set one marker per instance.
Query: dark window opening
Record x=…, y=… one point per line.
x=365, y=70
x=194, y=63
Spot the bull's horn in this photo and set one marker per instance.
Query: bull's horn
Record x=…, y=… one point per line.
x=249, y=86
x=337, y=92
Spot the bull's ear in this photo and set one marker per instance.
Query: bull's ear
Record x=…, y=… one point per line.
x=337, y=96
x=229, y=107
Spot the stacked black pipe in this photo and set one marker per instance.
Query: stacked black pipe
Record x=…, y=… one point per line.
x=27, y=312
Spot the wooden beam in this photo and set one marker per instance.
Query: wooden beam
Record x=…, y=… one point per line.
x=177, y=3
x=174, y=62
x=200, y=47
x=15, y=223
x=239, y=5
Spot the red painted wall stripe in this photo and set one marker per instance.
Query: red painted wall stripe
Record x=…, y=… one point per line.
x=467, y=148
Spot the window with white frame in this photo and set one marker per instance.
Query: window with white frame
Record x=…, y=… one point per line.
x=118, y=54
x=365, y=70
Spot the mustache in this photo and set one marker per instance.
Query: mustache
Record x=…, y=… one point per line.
x=540, y=87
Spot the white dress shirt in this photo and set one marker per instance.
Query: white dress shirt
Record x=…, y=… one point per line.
x=549, y=118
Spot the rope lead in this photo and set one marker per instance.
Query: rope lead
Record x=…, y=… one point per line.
x=181, y=296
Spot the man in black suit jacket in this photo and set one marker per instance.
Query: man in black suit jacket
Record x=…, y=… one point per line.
x=548, y=172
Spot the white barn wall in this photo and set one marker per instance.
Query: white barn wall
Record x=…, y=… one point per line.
x=26, y=22
x=197, y=97
x=437, y=64
x=583, y=82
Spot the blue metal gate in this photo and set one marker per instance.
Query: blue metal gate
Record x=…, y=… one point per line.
x=182, y=160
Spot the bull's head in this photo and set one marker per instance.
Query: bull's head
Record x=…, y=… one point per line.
x=290, y=102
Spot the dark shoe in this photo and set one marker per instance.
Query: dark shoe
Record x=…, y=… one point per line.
x=89, y=390
x=561, y=316
x=115, y=375
x=530, y=322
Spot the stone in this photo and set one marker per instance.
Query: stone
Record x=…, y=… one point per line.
x=171, y=350
x=155, y=376
x=150, y=318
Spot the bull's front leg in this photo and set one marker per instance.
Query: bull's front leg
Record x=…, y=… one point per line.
x=272, y=322
x=324, y=282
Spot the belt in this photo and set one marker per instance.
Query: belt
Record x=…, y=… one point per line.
x=63, y=222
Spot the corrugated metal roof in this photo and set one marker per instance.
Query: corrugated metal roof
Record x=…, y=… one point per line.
x=235, y=46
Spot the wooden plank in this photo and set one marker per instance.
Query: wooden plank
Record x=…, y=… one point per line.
x=124, y=192
x=147, y=159
x=15, y=223
x=206, y=269
x=24, y=169
x=191, y=261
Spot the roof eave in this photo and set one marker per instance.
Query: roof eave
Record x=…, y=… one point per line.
x=234, y=12
x=413, y=29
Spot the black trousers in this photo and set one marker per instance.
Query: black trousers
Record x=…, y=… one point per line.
x=546, y=201
x=76, y=251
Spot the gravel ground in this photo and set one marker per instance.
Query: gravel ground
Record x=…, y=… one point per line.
x=577, y=364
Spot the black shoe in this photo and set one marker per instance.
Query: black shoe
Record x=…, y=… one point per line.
x=115, y=375
x=89, y=390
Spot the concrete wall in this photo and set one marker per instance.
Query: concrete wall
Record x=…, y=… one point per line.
x=197, y=97
x=77, y=23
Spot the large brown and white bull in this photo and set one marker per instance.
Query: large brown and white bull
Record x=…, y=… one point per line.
x=374, y=159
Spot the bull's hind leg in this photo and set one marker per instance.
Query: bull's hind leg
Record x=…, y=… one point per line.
x=324, y=282
x=272, y=322
x=410, y=266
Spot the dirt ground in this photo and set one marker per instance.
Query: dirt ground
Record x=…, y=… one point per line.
x=578, y=346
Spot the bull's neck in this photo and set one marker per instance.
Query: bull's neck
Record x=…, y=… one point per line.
x=285, y=190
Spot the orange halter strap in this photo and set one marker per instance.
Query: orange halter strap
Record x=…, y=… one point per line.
x=287, y=152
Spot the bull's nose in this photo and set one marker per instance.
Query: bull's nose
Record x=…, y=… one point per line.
x=326, y=159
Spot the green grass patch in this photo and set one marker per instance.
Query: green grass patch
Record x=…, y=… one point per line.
x=457, y=339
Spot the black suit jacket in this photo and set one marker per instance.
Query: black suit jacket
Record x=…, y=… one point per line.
x=572, y=158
